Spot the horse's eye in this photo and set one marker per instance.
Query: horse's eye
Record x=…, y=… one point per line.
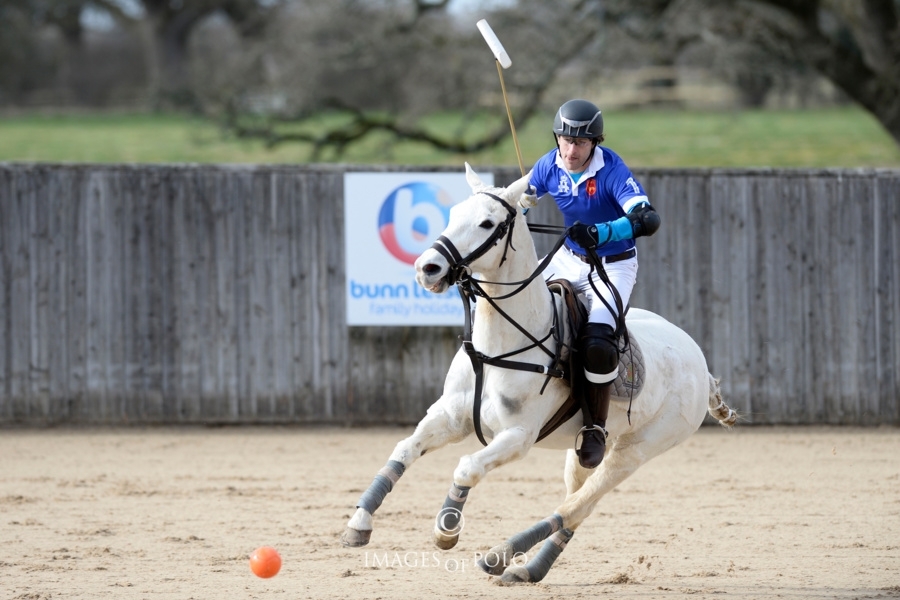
x=486, y=224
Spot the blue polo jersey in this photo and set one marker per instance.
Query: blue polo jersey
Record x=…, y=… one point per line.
x=605, y=191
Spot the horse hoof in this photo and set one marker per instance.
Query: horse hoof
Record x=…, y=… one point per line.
x=495, y=561
x=516, y=574
x=443, y=540
x=354, y=538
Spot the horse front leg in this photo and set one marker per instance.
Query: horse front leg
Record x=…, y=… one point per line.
x=506, y=446
x=439, y=428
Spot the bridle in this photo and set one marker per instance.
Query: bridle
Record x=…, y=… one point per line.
x=459, y=272
x=459, y=266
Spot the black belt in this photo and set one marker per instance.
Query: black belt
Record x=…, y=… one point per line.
x=611, y=259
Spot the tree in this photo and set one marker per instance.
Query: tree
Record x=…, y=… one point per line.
x=855, y=44
x=383, y=63
x=24, y=63
x=407, y=59
x=163, y=27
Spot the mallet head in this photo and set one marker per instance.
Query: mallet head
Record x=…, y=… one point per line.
x=496, y=47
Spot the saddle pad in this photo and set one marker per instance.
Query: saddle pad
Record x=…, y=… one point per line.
x=630, y=380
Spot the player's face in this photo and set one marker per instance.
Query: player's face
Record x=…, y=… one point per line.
x=574, y=152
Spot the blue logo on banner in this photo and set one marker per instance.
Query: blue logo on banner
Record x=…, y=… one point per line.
x=411, y=218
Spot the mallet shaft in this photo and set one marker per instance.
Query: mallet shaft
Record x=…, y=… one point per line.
x=512, y=125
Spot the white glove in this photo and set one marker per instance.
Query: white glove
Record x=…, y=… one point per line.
x=529, y=199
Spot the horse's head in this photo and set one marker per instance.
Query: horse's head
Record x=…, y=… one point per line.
x=478, y=235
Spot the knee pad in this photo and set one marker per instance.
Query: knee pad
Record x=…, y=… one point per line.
x=600, y=354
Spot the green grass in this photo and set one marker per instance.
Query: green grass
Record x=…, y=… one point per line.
x=840, y=137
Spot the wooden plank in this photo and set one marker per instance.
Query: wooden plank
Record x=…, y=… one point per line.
x=259, y=309
x=792, y=300
x=78, y=403
x=211, y=406
x=97, y=291
x=189, y=288
x=223, y=390
x=759, y=279
x=887, y=269
x=332, y=331
x=730, y=352
x=828, y=347
x=137, y=250
x=303, y=283
x=779, y=320
x=15, y=233
x=121, y=401
x=281, y=224
x=862, y=402
x=7, y=183
x=155, y=207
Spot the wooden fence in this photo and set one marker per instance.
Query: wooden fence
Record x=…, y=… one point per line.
x=215, y=294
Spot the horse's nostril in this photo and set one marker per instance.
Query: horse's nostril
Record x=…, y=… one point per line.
x=431, y=269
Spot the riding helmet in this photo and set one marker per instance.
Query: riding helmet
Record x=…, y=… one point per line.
x=578, y=119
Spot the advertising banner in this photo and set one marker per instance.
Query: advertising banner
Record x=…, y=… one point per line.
x=389, y=220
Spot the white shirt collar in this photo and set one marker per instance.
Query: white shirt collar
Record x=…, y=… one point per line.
x=595, y=165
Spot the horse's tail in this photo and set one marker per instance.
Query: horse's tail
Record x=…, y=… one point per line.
x=720, y=411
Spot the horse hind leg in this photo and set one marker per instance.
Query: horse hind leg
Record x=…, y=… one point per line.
x=626, y=455
x=720, y=411
x=502, y=557
x=538, y=567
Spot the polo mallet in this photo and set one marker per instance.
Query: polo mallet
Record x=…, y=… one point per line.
x=503, y=62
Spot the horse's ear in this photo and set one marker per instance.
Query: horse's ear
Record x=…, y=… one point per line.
x=473, y=179
x=516, y=188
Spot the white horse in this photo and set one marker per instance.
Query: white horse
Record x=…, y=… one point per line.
x=492, y=241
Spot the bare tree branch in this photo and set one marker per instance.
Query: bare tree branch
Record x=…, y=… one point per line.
x=339, y=138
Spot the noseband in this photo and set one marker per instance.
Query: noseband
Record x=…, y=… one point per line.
x=459, y=266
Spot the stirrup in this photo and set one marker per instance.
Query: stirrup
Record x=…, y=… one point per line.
x=582, y=431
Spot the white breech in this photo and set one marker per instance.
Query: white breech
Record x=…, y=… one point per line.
x=623, y=274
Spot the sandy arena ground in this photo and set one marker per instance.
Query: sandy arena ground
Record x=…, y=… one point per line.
x=806, y=513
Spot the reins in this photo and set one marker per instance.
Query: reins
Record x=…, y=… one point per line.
x=597, y=265
x=619, y=314
x=470, y=288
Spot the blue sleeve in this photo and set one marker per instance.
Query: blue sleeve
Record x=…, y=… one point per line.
x=627, y=191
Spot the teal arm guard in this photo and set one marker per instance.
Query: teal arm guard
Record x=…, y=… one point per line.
x=614, y=231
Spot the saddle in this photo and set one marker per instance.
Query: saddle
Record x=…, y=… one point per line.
x=630, y=379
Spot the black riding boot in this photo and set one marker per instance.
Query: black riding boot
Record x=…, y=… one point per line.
x=593, y=441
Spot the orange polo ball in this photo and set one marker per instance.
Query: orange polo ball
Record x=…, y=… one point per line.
x=265, y=562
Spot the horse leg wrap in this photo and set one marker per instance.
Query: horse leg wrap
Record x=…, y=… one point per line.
x=384, y=482
x=452, y=510
x=538, y=566
x=525, y=540
x=498, y=558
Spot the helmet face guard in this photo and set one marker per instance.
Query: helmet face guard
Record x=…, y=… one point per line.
x=578, y=119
